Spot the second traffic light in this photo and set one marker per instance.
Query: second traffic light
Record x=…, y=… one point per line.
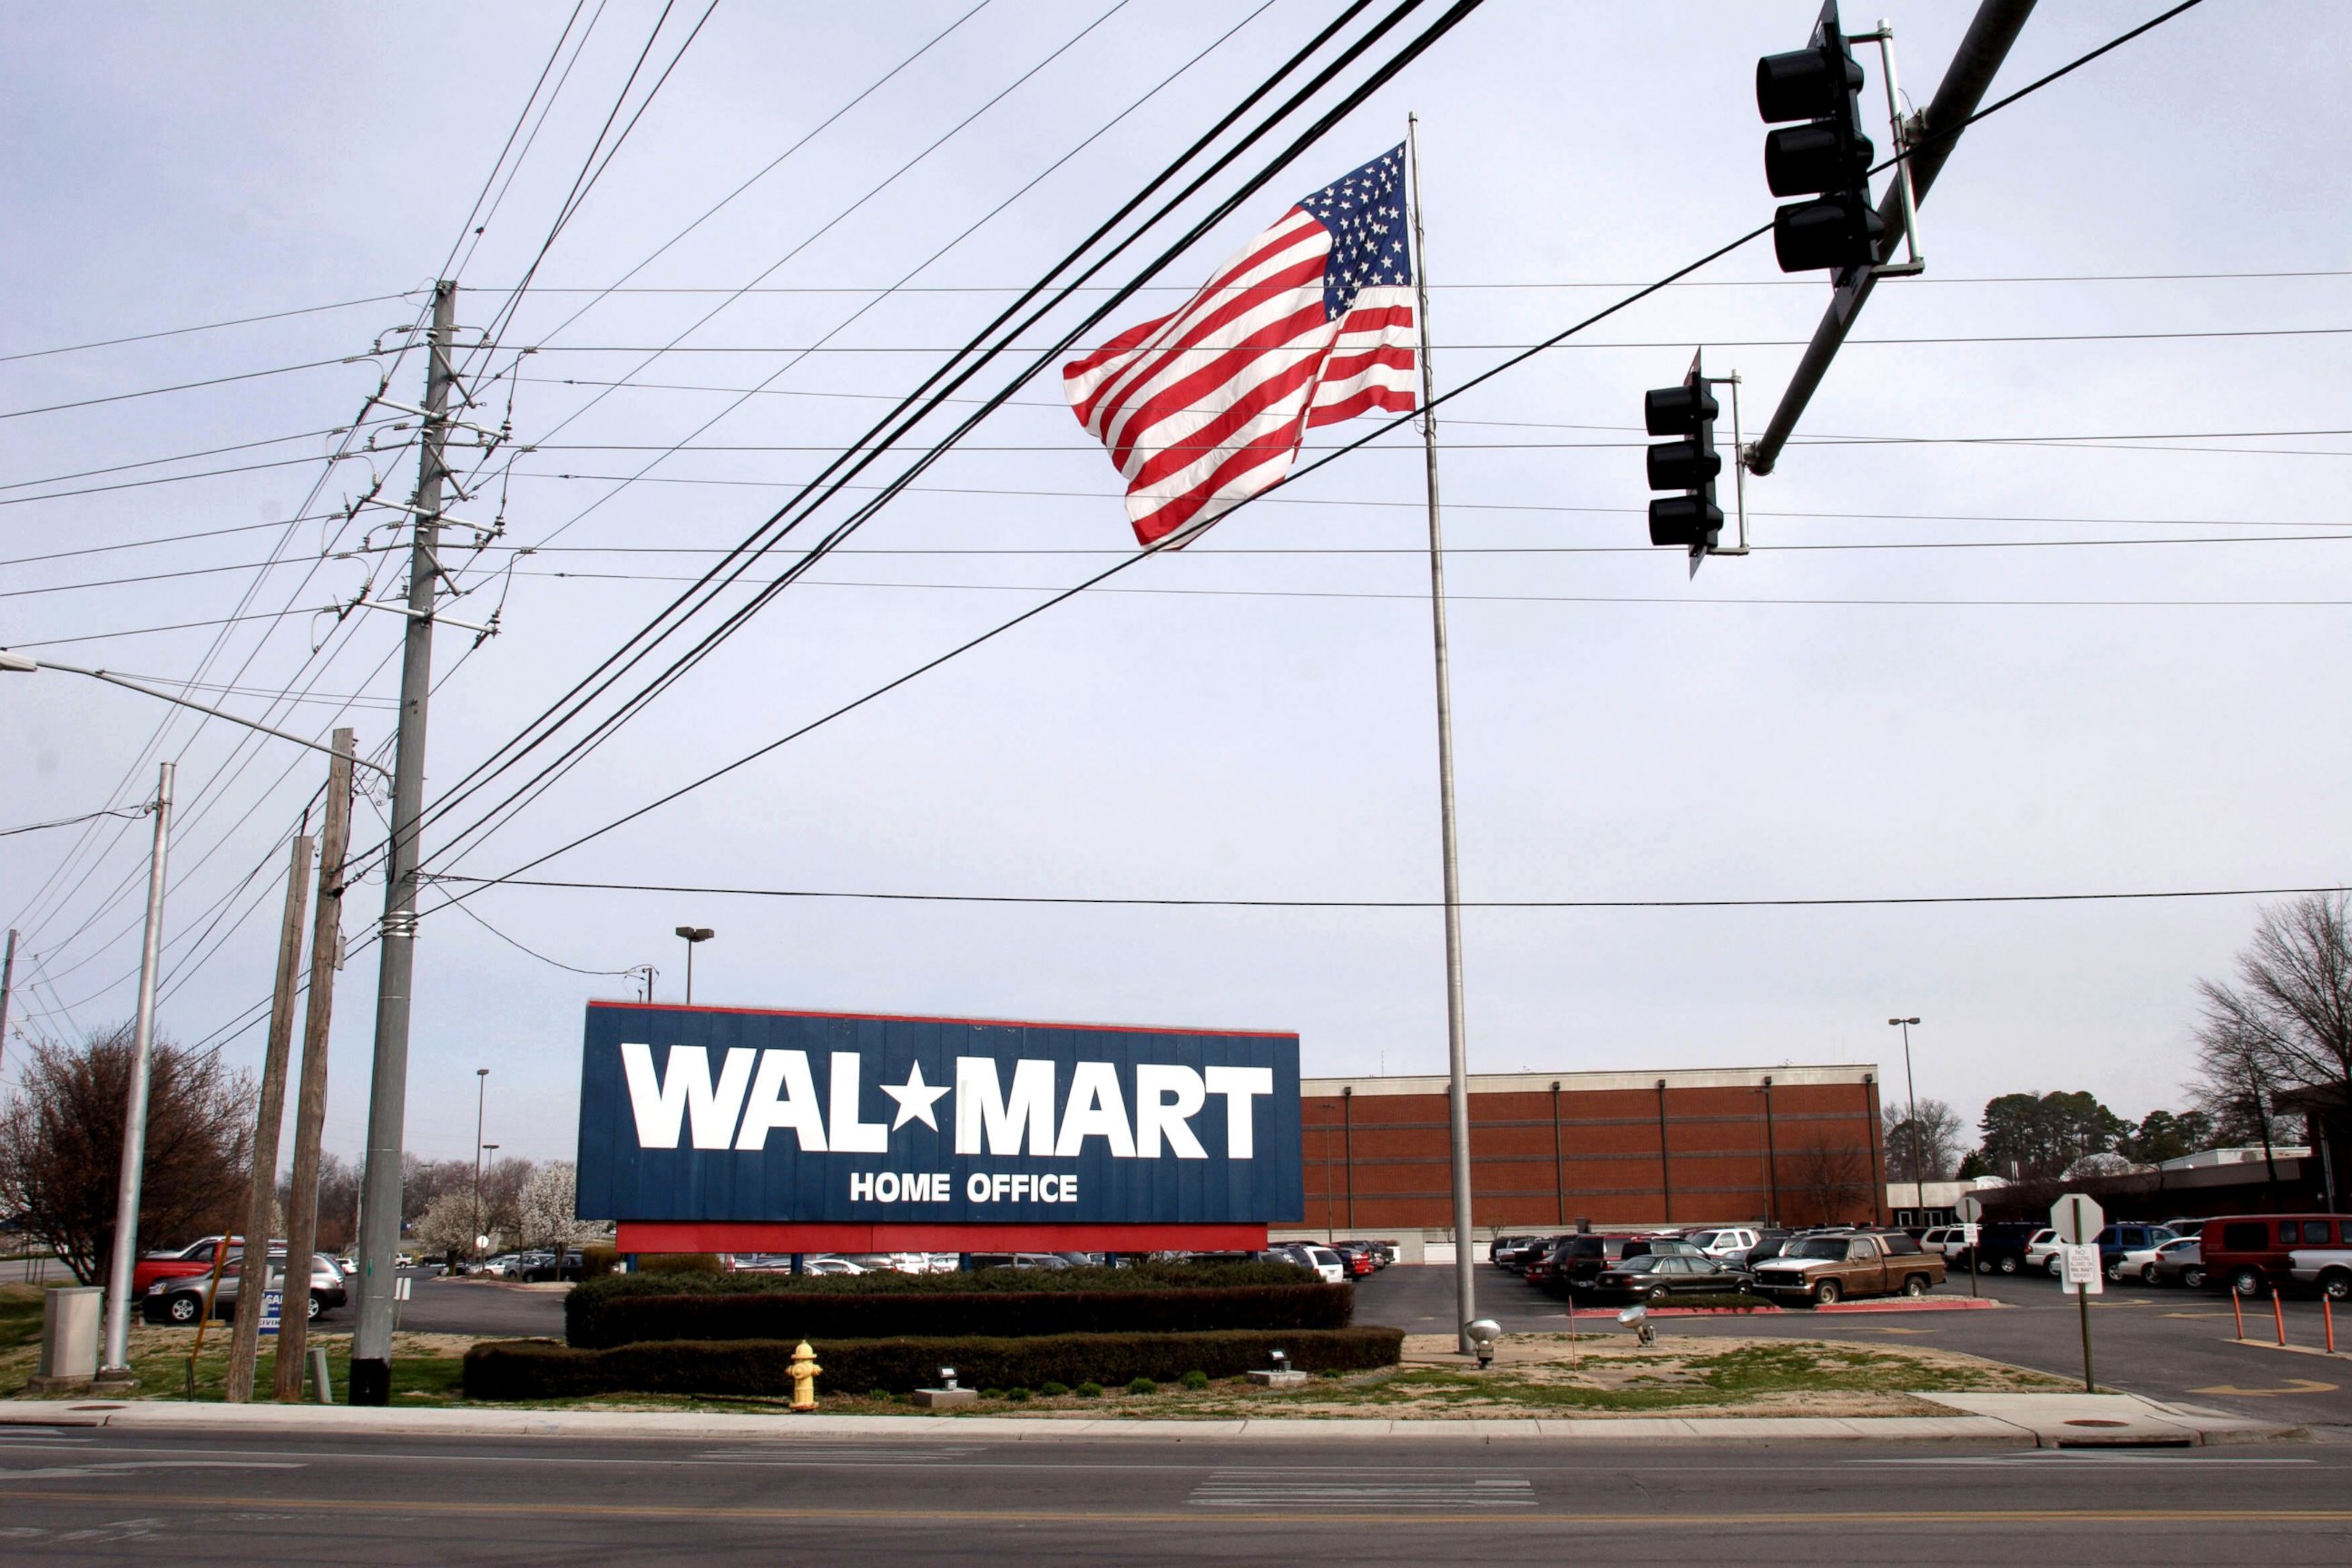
x=1827, y=158
x=1690, y=464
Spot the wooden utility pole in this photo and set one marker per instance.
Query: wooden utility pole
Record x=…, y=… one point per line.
x=310, y=1108
x=253, y=1272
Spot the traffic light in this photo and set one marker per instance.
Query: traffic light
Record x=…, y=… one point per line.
x=1828, y=157
x=1690, y=465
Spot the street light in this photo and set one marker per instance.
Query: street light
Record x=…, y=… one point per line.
x=1911, y=1094
x=481, y=1095
x=694, y=935
x=481, y=1236
x=114, y=1363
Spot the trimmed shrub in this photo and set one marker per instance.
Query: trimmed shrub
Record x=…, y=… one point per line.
x=1196, y=1379
x=1055, y=1390
x=673, y=1263
x=1088, y=1391
x=543, y=1369
x=595, y=1262
x=1018, y=1396
x=596, y=1316
x=1143, y=1385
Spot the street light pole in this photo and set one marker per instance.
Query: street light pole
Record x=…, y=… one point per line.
x=481, y=1096
x=1911, y=1096
x=694, y=935
x=114, y=1367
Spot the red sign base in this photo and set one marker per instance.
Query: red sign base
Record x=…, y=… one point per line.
x=645, y=1235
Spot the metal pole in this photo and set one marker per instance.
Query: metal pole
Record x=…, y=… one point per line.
x=114, y=1366
x=689, y=971
x=1911, y=1098
x=481, y=1100
x=1465, y=1273
x=310, y=1098
x=253, y=1268
x=1992, y=32
x=2082, y=1304
x=7, y=982
x=370, y=1373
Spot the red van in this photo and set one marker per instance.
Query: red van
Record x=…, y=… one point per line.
x=2247, y=1252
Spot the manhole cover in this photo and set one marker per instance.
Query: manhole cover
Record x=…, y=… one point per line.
x=2089, y=1421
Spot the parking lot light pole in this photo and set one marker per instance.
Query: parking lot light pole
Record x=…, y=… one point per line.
x=1911, y=1098
x=695, y=936
x=481, y=1093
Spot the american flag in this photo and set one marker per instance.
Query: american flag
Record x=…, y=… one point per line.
x=1309, y=324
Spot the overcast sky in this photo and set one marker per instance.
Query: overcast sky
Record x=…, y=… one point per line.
x=1962, y=659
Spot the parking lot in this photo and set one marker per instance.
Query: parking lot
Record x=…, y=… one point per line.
x=2165, y=1343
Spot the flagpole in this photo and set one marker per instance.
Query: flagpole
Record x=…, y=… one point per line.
x=1465, y=1270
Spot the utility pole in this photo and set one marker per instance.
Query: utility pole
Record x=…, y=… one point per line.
x=253, y=1269
x=482, y=1103
x=370, y=1373
x=310, y=1098
x=114, y=1365
x=7, y=983
x=1457, y=1054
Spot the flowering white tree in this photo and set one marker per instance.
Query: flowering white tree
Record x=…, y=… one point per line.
x=550, y=1202
x=446, y=1225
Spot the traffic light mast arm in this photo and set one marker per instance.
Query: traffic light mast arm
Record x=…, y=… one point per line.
x=1978, y=57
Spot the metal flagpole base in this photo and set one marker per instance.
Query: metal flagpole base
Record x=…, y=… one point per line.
x=114, y=1382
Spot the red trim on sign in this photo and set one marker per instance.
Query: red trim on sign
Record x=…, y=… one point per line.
x=919, y=1018
x=695, y=1236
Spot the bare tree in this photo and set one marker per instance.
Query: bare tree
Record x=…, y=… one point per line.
x=61, y=1146
x=2286, y=1021
x=1933, y=1152
x=1836, y=1177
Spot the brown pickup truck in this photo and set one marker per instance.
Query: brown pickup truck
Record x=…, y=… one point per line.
x=1826, y=1269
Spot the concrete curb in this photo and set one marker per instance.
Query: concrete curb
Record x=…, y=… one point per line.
x=2043, y=1420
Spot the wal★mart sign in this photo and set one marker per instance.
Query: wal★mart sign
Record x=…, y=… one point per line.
x=725, y=1116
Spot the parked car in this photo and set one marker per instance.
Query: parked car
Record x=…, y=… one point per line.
x=1944, y=1240
x=1654, y=1276
x=2000, y=1246
x=2176, y=1262
x=1825, y=1270
x=829, y=1265
x=1769, y=1242
x=504, y=1265
x=2328, y=1267
x=546, y=1265
x=2042, y=1250
x=1322, y=1259
x=2184, y=1227
x=2117, y=1242
x=1728, y=1245
x=1384, y=1253
x=1357, y=1260
x=193, y=1260
x=1513, y=1251
x=2250, y=1252
x=1578, y=1260
x=181, y=1300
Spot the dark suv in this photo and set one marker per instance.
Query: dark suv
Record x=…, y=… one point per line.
x=1574, y=1262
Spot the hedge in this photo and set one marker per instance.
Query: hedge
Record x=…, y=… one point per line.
x=543, y=1369
x=625, y=1319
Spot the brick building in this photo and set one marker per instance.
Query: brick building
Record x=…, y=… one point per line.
x=1792, y=1144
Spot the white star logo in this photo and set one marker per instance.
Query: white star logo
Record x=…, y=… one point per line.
x=915, y=1099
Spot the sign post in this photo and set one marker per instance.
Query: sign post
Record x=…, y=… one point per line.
x=2078, y=1221
x=1971, y=1213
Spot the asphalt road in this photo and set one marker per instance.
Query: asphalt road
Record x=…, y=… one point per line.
x=2167, y=1344
x=102, y=1497
x=482, y=1306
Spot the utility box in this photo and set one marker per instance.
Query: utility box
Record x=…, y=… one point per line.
x=69, y=1321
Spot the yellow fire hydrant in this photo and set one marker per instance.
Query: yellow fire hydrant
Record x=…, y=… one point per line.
x=805, y=1371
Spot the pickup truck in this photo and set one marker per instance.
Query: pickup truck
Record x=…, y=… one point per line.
x=2329, y=1267
x=1827, y=1268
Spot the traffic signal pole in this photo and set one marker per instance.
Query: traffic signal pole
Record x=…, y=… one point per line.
x=370, y=1373
x=1974, y=65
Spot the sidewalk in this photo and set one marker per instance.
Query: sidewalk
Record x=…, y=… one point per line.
x=2038, y=1420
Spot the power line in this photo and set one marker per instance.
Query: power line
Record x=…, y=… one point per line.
x=1896, y=900
x=533, y=953
x=172, y=538
x=182, y=457
x=65, y=822
x=205, y=327
x=184, y=386
x=1381, y=428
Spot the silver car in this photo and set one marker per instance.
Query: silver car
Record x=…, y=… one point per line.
x=182, y=1301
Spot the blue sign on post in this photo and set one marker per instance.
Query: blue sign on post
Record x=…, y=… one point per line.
x=272, y=1305
x=721, y=1114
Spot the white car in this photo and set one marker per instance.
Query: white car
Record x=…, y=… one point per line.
x=1322, y=1259
x=2041, y=1252
x=2139, y=1263
x=1723, y=1246
x=829, y=1265
x=2329, y=1267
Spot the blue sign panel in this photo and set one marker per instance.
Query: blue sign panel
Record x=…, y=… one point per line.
x=721, y=1114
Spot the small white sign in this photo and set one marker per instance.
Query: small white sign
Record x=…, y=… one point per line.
x=2082, y=1269
x=400, y=1287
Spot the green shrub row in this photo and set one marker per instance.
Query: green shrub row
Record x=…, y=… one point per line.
x=601, y=1321
x=541, y=1369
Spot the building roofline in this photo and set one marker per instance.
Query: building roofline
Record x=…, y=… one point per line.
x=1784, y=1076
